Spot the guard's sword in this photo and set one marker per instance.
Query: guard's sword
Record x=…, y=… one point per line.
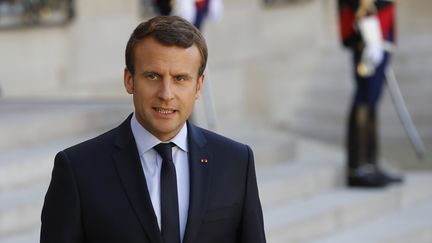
x=403, y=113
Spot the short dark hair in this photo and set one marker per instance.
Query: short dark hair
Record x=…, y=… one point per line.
x=170, y=31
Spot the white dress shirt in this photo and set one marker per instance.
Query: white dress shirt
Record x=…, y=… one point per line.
x=151, y=163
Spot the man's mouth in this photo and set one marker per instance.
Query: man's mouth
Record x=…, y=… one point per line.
x=164, y=111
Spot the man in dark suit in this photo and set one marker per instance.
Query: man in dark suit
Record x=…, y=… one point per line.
x=156, y=177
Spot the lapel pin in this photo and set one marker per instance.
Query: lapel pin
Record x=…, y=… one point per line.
x=205, y=161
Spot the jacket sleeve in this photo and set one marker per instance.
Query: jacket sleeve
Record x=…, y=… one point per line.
x=252, y=227
x=61, y=213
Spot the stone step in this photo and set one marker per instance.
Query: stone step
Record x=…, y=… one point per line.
x=27, y=122
x=29, y=236
x=280, y=183
x=316, y=167
x=412, y=224
x=325, y=213
x=288, y=191
x=20, y=209
x=389, y=126
x=269, y=146
x=32, y=164
x=317, y=171
x=415, y=189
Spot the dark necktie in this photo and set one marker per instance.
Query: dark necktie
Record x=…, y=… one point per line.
x=168, y=195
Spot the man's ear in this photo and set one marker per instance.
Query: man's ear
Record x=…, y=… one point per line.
x=128, y=81
x=199, y=87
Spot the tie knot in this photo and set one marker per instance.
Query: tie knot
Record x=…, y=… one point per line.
x=164, y=150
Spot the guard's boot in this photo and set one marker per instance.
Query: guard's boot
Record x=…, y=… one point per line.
x=362, y=148
x=372, y=151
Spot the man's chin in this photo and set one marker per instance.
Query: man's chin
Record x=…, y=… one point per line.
x=166, y=132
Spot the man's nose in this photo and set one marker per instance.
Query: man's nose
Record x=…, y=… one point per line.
x=166, y=89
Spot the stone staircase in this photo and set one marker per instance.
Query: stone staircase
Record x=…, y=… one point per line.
x=32, y=133
x=300, y=180
x=286, y=82
x=304, y=200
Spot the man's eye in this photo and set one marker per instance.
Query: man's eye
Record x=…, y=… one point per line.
x=181, y=78
x=151, y=76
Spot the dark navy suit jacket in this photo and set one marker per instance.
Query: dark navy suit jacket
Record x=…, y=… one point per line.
x=98, y=193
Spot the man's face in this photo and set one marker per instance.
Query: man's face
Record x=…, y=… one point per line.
x=164, y=86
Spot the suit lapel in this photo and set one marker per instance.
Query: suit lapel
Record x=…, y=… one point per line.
x=127, y=162
x=200, y=161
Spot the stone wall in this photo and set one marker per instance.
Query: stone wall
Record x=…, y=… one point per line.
x=84, y=58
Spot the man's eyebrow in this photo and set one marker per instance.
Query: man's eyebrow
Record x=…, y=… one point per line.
x=146, y=72
x=183, y=75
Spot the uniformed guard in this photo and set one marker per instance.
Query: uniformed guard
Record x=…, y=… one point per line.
x=367, y=28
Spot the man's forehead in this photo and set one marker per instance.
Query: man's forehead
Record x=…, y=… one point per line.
x=151, y=46
x=153, y=39
x=160, y=61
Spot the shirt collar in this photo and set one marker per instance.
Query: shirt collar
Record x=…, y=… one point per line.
x=146, y=141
